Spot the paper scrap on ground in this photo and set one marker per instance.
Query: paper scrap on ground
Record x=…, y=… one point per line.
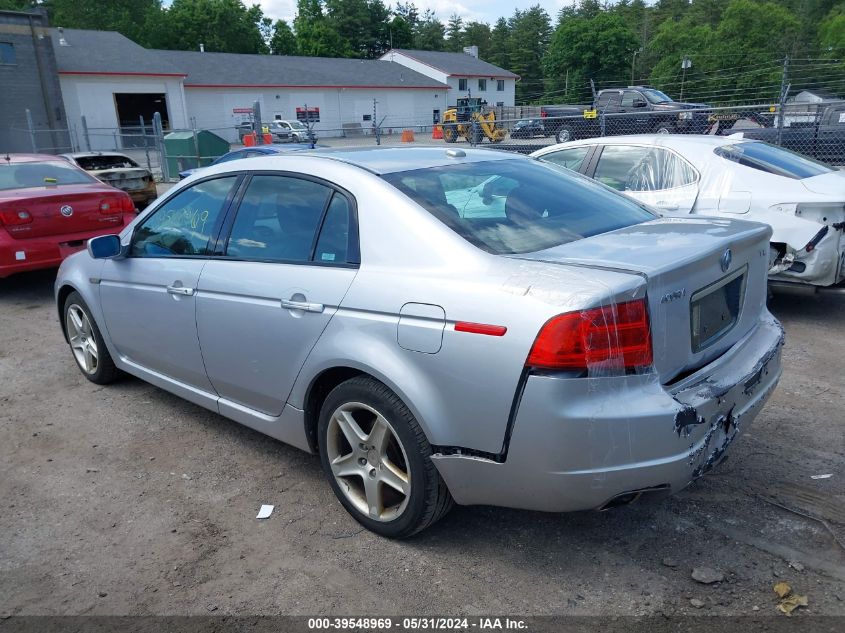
x=265, y=512
x=825, y=476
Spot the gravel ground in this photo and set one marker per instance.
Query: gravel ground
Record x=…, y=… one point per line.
x=127, y=500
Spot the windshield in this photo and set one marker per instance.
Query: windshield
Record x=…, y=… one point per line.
x=517, y=206
x=296, y=125
x=773, y=160
x=28, y=175
x=96, y=163
x=655, y=96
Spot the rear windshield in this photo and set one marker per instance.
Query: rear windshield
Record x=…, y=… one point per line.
x=517, y=206
x=95, y=163
x=27, y=175
x=773, y=160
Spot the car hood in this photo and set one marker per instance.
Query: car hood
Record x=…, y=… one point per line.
x=832, y=184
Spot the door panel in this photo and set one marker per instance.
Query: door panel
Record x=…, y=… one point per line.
x=150, y=326
x=254, y=347
x=149, y=298
x=262, y=306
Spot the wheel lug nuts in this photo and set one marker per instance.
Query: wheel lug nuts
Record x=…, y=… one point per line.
x=373, y=473
x=362, y=461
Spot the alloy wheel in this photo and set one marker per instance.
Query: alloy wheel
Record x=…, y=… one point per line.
x=368, y=461
x=82, y=340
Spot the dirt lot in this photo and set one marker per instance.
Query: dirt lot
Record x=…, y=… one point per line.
x=127, y=500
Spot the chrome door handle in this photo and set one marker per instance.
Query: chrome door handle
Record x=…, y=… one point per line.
x=180, y=290
x=302, y=305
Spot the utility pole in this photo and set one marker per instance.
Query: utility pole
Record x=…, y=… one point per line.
x=686, y=63
x=784, y=91
x=633, y=63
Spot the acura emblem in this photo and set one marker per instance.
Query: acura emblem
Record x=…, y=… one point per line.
x=66, y=210
x=725, y=260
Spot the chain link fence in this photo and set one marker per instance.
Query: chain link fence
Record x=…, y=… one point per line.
x=816, y=130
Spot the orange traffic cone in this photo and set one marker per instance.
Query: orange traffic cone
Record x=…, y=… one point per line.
x=437, y=132
x=407, y=136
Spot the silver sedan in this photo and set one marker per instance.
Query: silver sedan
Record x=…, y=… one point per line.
x=440, y=326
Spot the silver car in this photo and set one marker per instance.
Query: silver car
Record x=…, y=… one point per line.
x=440, y=325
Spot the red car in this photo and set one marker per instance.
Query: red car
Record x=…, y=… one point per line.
x=50, y=208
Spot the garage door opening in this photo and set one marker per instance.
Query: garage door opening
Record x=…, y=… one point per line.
x=131, y=107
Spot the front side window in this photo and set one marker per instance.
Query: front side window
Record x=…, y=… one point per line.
x=462, y=84
x=630, y=98
x=278, y=220
x=500, y=85
x=572, y=158
x=516, y=206
x=46, y=174
x=184, y=224
x=773, y=160
x=482, y=85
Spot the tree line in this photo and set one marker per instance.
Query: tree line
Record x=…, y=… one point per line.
x=722, y=51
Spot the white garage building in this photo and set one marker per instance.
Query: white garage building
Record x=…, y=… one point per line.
x=113, y=82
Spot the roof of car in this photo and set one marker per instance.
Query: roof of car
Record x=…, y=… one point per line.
x=26, y=158
x=386, y=160
x=697, y=144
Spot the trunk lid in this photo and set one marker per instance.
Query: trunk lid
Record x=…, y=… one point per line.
x=45, y=205
x=832, y=184
x=698, y=307
x=126, y=178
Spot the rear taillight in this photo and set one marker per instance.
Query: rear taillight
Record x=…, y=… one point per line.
x=610, y=336
x=116, y=204
x=15, y=217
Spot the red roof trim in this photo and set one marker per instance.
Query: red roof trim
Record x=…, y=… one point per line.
x=112, y=74
x=312, y=86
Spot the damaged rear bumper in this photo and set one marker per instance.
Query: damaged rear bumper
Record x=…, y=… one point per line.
x=579, y=443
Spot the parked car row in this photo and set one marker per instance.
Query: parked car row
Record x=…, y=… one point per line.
x=802, y=200
x=440, y=325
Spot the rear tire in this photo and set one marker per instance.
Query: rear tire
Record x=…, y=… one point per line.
x=378, y=460
x=564, y=135
x=86, y=343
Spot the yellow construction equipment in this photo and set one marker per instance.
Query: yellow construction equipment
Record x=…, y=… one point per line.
x=470, y=121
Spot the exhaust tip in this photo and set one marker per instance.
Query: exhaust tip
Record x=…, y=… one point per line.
x=652, y=493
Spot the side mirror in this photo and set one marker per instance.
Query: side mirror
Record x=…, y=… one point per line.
x=105, y=247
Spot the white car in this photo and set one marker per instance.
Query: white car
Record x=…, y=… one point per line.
x=801, y=199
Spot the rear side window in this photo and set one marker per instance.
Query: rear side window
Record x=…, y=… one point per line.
x=517, y=206
x=96, y=163
x=46, y=174
x=286, y=219
x=183, y=225
x=572, y=158
x=773, y=160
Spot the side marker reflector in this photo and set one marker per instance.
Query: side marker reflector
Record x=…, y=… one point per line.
x=480, y=328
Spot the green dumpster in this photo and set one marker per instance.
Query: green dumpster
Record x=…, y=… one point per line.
x=186, y=150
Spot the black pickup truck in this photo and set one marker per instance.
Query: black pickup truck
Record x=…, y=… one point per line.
x=822, y=138
x=632, y=110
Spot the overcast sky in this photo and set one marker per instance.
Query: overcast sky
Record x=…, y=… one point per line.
x=481, y=10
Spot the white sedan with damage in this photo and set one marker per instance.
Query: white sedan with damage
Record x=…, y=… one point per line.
x=803, y=200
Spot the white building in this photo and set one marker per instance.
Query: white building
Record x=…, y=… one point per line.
x=113, y=83
x=464, y=73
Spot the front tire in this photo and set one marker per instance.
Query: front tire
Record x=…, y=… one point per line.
x=89, y=350
x=378, y=460
x=664, y=128
x=450, y=133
